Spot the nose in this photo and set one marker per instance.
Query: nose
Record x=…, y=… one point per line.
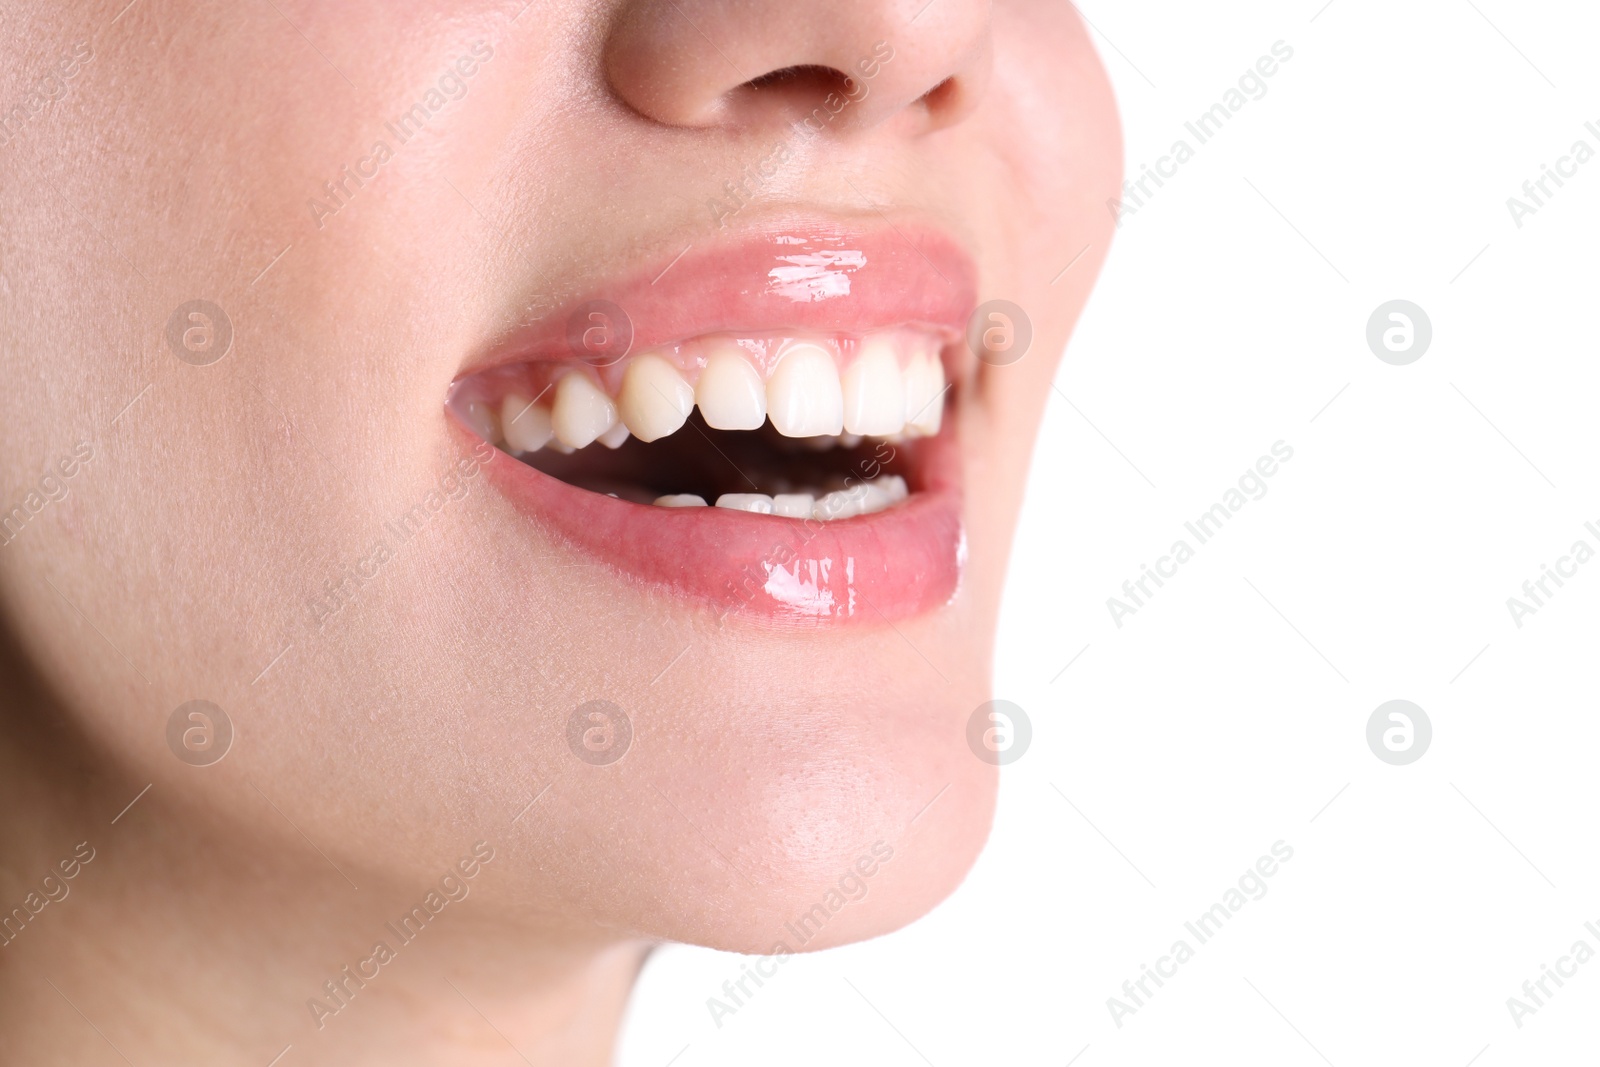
x=850, y=64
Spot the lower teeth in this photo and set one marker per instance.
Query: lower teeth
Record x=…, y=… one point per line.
x=864, y=498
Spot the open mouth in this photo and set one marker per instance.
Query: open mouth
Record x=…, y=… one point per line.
x=797, y=467
x=801, y=426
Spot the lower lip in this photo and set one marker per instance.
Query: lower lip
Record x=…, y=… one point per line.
x=895, y=564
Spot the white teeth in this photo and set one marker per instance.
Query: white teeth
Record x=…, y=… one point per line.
x=861, y=499
x=655, y=400
x=526, y=424
x=874, y=389
x=893, y=389
x=873, y=497
x=759, y=503
x=793, y=505
x=582, y=411
x=840, y=504
x=803, y=397
x=729, y=392
x=480, y=417
x=924, y=382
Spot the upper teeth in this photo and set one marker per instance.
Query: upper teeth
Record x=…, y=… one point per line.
x=582, y=411
x=893, y=382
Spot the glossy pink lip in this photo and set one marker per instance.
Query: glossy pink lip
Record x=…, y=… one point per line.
x=904, y=561
x=810, y=275
x=892, y=565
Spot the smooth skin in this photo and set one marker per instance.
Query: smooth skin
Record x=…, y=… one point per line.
x=375, y=745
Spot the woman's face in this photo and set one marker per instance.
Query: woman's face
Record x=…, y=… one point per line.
x=277, y=274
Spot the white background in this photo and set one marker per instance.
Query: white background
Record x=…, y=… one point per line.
x=1230, y=712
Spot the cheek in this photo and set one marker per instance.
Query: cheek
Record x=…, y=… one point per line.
x=243, y=488
x=1051, y=126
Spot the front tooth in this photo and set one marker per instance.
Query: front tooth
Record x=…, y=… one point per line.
x=655, y=400
x=793, y=505
x=896, y=487
x=803, y=397
x=759, y=503
x=526, y=424
x=729, y=392
x=614, y=437
x=681, y=500
x=925, y=393
x=874, y=389
x=582, y=411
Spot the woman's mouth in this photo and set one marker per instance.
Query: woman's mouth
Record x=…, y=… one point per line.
x=763, y=427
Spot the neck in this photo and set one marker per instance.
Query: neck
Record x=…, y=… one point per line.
x=165, y=938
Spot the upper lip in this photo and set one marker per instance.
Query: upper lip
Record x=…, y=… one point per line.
x=873, y=274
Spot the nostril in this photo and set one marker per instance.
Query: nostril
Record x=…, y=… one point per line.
x=809, y=78
x=793, y=89
x=941, y=96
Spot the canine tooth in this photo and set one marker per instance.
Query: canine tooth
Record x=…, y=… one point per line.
x=582, y=411
x=680, y=500
x=793, y=505
x=481, y=418
x=614, y=437
x=526, y=424
x=655, y=400
x=729, y=392
x=924, y=394
x=874, y=389
x=759, y=503
x=803, y=397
